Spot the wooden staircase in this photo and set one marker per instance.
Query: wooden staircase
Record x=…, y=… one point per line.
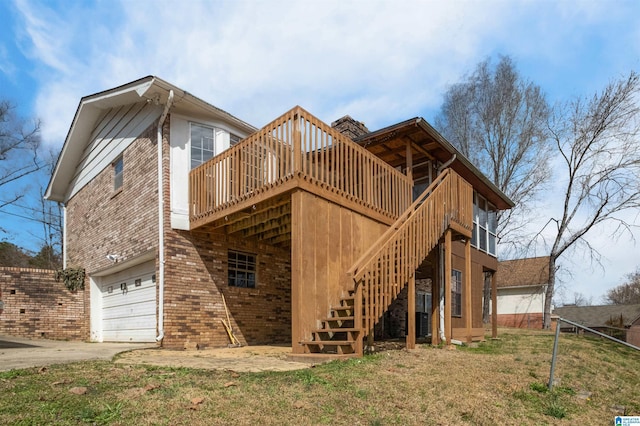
x=384, y=270
x=338, y=335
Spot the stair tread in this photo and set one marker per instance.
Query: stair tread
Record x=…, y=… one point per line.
x=328, y=342
x=325, y=330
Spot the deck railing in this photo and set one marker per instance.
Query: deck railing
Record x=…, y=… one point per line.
x=383, y=271
x=297, y=145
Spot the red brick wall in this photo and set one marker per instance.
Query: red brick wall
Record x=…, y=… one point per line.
x=530, y=320
x=35, y=306
x=196, y=275
x=101, y=221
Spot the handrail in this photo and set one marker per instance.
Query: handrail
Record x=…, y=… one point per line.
x=383, y=271
x=356, y=270
x=298, y=145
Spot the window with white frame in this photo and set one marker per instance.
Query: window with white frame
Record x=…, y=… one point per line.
x=485, y=223
x=456, y=293
x=203, y=142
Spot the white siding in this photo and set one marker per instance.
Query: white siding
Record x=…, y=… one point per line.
x=113, y=132
x=520, y=300
x=181, y=162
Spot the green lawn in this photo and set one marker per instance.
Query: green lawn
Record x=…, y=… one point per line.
x=501, y=382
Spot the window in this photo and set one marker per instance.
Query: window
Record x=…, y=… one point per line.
x=118, y=173
x=202, y=144
x=242, y=269
x=456, y=293
x=234, y=139
x=485, y=223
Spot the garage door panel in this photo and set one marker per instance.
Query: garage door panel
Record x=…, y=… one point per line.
x=129, y=311
x=128, y=336
x=134, y=311
x=134, y=323
x=131, y=298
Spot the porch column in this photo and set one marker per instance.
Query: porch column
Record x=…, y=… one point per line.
x=435, y=299
x=411, y=311
x=447, y=286
x=409, y=155
x=494, y=305
x=468, y=314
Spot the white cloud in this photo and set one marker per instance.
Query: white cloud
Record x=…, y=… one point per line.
x=6, y=67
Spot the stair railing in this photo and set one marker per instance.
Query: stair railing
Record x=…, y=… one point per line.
x=383, y=271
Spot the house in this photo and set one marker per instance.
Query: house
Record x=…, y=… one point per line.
x=619, y=321
x=183, y=216
x=522, y=284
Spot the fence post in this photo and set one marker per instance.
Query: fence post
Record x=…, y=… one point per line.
x=555, y=353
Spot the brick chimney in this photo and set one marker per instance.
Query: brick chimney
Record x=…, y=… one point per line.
x=350, y=127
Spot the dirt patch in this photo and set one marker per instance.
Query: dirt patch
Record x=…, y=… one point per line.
x=251, y=359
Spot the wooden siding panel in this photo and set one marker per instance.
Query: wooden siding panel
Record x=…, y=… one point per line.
x=326, y=239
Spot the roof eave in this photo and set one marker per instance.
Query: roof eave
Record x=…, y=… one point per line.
x=427, y=128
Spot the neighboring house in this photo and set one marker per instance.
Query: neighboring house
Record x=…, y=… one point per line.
x=619, y=321
x=522, y=284
x=308, y=233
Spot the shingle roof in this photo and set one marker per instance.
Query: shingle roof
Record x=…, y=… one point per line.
x=598, y=316
x=532, y=271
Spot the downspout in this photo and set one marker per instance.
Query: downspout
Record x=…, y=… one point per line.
x=161, y=221
x=447, y=164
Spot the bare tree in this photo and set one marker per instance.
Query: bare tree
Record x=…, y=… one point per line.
x=498, y=120
x=598, y=152
x=627, y=293
x=19, y=143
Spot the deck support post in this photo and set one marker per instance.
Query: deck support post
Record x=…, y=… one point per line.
x=447, y=286
x=467, y=289
x=297, y=297
x=358, y=322
x=494, y=306
x=435, y=299
x=411, y=313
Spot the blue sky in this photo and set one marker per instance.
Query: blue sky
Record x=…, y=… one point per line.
x=378, y=61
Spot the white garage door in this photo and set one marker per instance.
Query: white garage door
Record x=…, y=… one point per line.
x=129, y=305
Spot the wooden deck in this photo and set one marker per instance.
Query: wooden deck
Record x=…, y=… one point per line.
x=295, y=151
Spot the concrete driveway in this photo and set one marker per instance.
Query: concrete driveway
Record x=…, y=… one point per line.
x=16, y=353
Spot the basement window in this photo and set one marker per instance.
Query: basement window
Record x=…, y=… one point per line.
x=118, y=173
x=456, y=293
x=242, y=269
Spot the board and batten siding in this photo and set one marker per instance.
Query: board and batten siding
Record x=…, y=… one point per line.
x=115, y=129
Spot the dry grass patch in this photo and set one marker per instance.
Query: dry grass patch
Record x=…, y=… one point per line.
x=500, y=382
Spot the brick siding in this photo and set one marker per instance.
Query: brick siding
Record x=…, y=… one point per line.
x=37, y=306
x=196, y=276
x=530, y=320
